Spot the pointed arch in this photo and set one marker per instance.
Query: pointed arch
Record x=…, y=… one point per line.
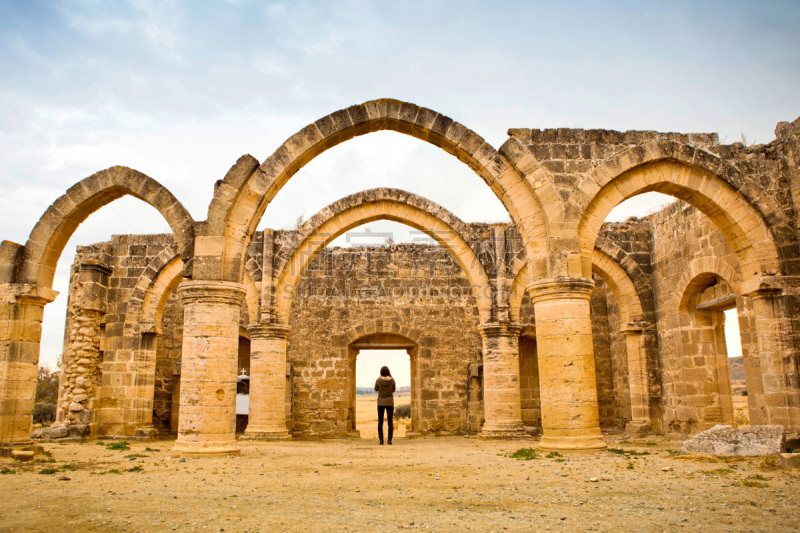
x=699, y=178
x=617, y=279
x=381, y=204
x=50, y=235
x=242, y=197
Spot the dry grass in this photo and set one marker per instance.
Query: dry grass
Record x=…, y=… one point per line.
x=706, y=458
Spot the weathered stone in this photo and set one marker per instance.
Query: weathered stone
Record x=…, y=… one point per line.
x=727, y=441
x=639, y=348
x=23, y=455
x=790, y=460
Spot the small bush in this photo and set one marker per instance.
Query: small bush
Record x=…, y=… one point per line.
x=750, y=483
x=402, y=411
x=121, y=445
x=525, y=454
x=770, y=462
x=48, y=471
x=135, y=469
x=629, y=453
x=7, y=471
x=553, y=455
x=44, y=413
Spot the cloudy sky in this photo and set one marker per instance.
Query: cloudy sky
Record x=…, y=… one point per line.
x=179, y=90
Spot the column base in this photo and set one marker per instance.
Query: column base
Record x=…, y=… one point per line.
x=205, y=449
x=266, y=433
x=145, y=434
x=638, y=427
x=7, y=449
x=583, y=443
x=504, y=431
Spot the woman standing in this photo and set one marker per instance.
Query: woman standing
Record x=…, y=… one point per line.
x=385, y=387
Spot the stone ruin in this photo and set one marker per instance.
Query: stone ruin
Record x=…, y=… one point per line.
x=557, y=324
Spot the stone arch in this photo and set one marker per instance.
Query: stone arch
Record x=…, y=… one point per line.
x=242, y=197
x=519, y=287
x=166, y=281
x=617, y=279
x=377, y=204
x=697, y=177
x=50, y=235
x=700, y=376
x=700, y=267
x=622, y=258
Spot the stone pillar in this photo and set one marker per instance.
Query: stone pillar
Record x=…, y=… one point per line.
x=83, y=351
x=144, y=384
x=207, y=424
x=637, y=378
x=779, y=403
x=568, y=386
x=501, y=396
x=21, y=310
x=267, y=418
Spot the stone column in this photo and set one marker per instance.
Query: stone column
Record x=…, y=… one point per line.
x=21, y=310
x=567, y=381
x=779, y=403
x=144, y=384
x=267, y=418
x=207, y=424
x=637, y=378
x=501, y=396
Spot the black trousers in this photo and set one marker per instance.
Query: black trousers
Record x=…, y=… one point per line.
x=389, y=414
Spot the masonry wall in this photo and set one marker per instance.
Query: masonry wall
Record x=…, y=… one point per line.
x=415, y=290
x=681, y=235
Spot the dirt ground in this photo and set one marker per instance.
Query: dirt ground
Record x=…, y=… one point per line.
x=438, y=484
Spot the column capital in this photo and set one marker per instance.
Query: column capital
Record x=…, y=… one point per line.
x=500, y=329
x=762, y=287
x=561, y=287
x=268, y=331
x=93, y=265
x=28, y=293
x=228, y=292
x=634, y=327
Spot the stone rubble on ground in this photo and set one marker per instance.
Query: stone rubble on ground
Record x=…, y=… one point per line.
x=727, y=441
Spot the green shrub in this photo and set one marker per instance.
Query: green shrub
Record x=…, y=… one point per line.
x=44, y=413
x=402, y=411
x=525, y=454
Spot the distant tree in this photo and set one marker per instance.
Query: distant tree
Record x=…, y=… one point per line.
x=44, y=410
x=47, y=386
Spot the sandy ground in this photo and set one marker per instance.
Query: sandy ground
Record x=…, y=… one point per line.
x=438, y=484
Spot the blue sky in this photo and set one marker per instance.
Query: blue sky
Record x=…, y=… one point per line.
x=180, y=90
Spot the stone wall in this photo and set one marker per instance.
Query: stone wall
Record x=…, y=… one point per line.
x=416, y=291
x=694, y=374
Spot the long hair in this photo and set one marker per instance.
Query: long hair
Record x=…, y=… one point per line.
x=385, y=372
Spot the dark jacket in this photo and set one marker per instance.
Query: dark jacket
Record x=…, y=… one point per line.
x=385, y=388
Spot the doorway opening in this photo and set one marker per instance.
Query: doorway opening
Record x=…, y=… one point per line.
x=367, y=356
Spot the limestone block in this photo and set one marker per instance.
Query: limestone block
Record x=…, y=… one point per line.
x=727, y=441
x=790, y=460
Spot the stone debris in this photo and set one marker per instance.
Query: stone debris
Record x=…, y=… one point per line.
x=790, y=460
x=23, y=455
x=727, y=441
